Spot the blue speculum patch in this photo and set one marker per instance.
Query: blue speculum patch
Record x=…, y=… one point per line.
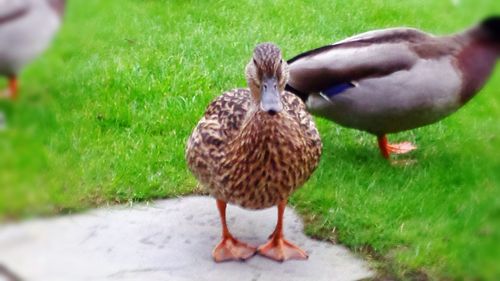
x=337, y=89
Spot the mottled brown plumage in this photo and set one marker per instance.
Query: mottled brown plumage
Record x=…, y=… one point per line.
x=250, y=157
x=246, y=157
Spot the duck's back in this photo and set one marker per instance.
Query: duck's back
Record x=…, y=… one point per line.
x=243, y=156
x=396, y=79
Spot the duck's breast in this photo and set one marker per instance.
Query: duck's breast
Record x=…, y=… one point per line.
x=272, y=158
x=249, y=158
x=403, y=100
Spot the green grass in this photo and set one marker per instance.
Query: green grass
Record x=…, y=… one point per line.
x=104, y=115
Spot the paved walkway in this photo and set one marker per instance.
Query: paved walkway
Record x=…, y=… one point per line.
x=168, y=240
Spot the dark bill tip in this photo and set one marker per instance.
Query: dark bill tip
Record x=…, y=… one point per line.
x=272, y=112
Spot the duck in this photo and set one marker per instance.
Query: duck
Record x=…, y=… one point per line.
x=253, y=148
x=392, y=80
x=27, y=28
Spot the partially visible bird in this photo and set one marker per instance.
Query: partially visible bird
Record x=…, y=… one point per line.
x=253, y=148
x=26, y=30
x=397, y=79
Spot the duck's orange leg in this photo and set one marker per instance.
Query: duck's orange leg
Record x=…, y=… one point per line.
x=278, y=248
x=397, y=148
x=230, y=248
x=13, y=87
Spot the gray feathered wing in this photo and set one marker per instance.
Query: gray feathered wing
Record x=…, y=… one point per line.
x=373, y=54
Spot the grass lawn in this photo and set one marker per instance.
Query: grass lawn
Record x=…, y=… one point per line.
x=104, y=115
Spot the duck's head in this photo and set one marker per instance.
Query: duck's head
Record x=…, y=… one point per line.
x=488, y=31
x=267, y=75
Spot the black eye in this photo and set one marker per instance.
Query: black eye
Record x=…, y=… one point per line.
x=265, y=87
x=275, y=86
x=281, y=61
x=254, y=61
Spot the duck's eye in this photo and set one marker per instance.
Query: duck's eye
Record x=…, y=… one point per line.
x=275, y=86
x=281, y=61
x=265, y=87
x=254, y=62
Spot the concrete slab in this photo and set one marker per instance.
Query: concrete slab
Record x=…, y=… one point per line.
x=167, y=240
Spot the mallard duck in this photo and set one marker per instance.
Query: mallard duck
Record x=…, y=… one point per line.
x=26, y=29
x=397, y=79
x=253, y=148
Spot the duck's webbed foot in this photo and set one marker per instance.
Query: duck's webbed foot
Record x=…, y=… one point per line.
x=401, y=148
x=232, y=249
x=386, y=149
x=280, y=249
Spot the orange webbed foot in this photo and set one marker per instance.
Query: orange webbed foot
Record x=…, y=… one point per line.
x=232, y=249
x=387, y=148
x=279, y=249
x=401, y=148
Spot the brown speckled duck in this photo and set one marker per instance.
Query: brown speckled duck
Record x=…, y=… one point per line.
x=397, y=79
x=253, y=148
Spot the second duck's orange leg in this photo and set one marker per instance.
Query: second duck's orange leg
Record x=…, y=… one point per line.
x=278, y=248
x=398, y=148
x=13, y=87
x=230, y=248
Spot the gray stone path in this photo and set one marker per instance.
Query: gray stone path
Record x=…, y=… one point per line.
x=167, y=240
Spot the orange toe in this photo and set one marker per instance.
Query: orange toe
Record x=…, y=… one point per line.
x=280, y=249
x=401, y=148
x=232, y=249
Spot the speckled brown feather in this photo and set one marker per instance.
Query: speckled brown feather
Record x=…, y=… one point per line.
x=247, y=157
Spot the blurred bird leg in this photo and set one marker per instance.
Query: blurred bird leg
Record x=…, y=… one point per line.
x=13, y=87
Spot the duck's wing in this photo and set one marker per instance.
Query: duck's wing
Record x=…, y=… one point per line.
x=11, y=10
x=222, y=120
x=334, y=68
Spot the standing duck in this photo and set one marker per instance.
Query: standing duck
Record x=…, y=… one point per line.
x=26, y=30
x=253, y=148
x=397, y=79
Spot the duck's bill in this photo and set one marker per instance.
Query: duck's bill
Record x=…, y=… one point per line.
x=270, y=100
